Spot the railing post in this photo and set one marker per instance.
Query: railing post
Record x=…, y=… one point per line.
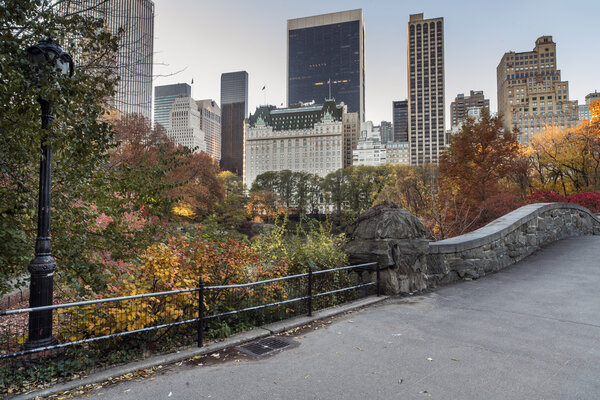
x=310, y=278
x=200, y=311
x=378, y=281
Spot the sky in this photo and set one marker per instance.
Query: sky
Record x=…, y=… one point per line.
x=199, y=40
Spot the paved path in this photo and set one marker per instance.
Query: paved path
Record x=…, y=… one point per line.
x=530, y=332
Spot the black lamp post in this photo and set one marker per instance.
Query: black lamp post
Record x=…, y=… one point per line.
x=45, y=54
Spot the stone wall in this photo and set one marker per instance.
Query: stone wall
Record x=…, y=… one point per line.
x=396, y=239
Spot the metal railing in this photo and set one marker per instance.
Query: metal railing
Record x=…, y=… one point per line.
x=90, y=321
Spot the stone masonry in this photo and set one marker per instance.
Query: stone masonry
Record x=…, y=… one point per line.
x=409, y=262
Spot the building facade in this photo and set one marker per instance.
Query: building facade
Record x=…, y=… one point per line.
x=326, y=60
x=184, y=125
x=400, y=120
x=461, y=105
x=164, y=97
x=584, y=109
x=386, y=131
x=308, y=139
x=531, y=94
x=397, y=153
x=369, y=151
x=351, y=134
x=234, y=110
x=426, y=111
x=134, y=60
x=210, y=123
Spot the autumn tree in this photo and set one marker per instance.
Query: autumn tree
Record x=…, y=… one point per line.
x=567, y=160
x=479, y=159
x=80, y=136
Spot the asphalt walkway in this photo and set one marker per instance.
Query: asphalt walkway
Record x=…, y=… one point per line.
x=530, y=332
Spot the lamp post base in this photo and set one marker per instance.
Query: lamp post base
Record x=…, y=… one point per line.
x=40, y=343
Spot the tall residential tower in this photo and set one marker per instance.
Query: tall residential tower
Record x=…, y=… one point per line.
x=531, y=93
x=326, y=60
x=234, y=109
x=426, y=114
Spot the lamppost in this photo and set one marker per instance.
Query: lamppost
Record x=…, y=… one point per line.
x=46, y=54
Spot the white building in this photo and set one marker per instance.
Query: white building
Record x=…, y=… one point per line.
x=210, y=123
x=184, y=125
x=308, y=139
x=397, y=153
x=370, y=150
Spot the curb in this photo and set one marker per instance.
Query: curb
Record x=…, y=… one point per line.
x=232, y=341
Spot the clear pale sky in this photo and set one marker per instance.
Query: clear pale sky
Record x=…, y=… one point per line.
x=203, y=39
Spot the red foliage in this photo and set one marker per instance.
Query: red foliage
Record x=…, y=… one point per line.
x=589, y=200
x=499, y=205
x=545, y=196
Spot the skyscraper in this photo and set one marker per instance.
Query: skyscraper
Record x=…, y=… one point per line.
x=426, y=121
x=210, y=123
x=400, y=120
x=234, y=109
x=461, y=105
x=164, y=97
x=134, y=59
x=531, y=93
x=184, y=124
x=326, y=59
x=386, y=131
x=350, y=135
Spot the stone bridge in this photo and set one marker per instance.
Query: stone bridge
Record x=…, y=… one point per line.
x=396, y=239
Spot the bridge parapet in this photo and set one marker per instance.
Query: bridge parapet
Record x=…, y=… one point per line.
x=491, y=248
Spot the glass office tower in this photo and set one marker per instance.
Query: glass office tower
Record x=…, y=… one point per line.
x=164, y=97
x=326, y=60
x=234, y=109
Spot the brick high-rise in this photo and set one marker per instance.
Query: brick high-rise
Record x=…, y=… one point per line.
x=531, y=93
x=426, y=114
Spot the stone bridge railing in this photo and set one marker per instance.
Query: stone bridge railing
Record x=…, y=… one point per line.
x=396, y=239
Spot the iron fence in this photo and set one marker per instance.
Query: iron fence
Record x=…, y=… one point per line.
x=196, y=309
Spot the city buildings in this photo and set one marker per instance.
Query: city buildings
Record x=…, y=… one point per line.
x=369, y=151
x=164, y=97
x=326, y=60
x=531, y=94
x=134, y=21
x=351, y=134
x=397, y=153
x=308, y=138
x=234, y=109
x=461, y=105
x=400, y=120
x=584, y=109
x=386, y=131
x=184, y=124
x=426, y=111
x=210, y=124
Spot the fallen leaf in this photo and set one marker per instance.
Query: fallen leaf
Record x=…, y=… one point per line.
x=216, y=355
x=361, y=349
x=170, y=394
x=454, y=359
x=429, y=359
x=400, y=380
x=306, y=377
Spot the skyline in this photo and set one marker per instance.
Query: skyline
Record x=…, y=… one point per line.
x=236, y=35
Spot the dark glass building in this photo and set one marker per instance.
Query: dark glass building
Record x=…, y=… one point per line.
x=164, y=97
x=234, y=109
x=400, y=120
x=326, y=60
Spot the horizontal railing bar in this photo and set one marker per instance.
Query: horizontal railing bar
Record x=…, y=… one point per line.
x=323, y=271
x=255, y=307
x=283, y=278
x=98, y=301
x=89, y=340
x=157, y=294
x=344, y=289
